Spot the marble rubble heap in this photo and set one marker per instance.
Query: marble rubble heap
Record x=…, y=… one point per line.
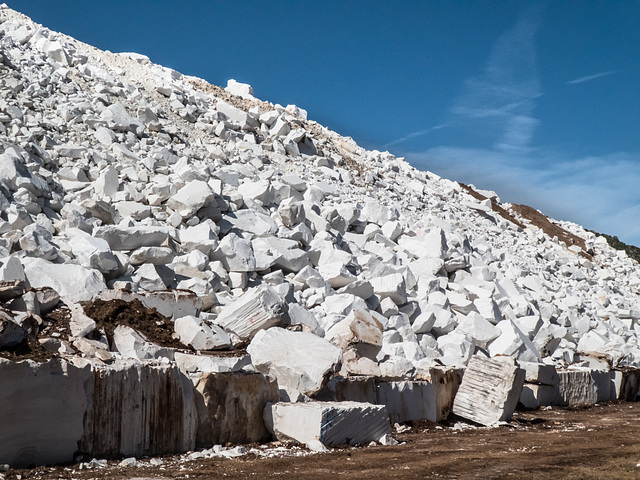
x=343, y=272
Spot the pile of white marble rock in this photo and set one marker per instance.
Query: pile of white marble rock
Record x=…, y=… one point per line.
x=120, y=178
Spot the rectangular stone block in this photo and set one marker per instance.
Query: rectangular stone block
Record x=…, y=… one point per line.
x=540, y=373
x=42, y=406
x=407, y=401
x=445, y=381
x=230, y=407
x=138, y=409
x=490, y=390
x=348, y=389
x=534, y=395
x=583, y=386
x=330, y=423
x=625, y=384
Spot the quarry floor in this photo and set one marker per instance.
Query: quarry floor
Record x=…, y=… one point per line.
x=598, y=442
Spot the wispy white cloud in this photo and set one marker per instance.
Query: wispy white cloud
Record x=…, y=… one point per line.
x=419, y=133
x=499, y=102
x=497, y=106
x=591, y=77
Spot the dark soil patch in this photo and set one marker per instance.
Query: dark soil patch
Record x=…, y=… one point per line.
x=57, y=322
x=155, y=327
x=30, y=350
x=54, y=324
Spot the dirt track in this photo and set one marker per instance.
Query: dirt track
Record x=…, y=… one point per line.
x=601, y=442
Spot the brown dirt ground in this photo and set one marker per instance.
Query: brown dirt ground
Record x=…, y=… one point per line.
x=600, y=442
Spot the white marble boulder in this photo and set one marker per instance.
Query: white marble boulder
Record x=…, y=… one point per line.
x=200, y=335
x=408, y=400
x=301, y=362
x=359, y=336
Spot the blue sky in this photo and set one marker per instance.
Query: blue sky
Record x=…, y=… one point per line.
x=539, y=101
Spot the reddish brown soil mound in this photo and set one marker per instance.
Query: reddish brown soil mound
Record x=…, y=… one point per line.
x=155, y=327
x=550, y=228
x=495, y=206
x=535, y=217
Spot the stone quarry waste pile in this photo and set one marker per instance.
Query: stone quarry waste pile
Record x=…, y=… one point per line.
x=184, y=266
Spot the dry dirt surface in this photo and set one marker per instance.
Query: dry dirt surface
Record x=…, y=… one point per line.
x=599, y=442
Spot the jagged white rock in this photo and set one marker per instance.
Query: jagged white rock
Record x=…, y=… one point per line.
x=298, y=360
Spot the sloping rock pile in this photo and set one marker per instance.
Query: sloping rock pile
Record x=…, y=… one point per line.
x=156, y=228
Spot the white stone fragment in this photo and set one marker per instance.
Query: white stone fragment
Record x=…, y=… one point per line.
x=11, y=269
x=281, y=253
x=480, y=330
x=488, y=308
x=130, y=238
x=119, y=119
x=430, y=244
x=235, y=253
x=196, y=332
x=243, y=90
x=392, y=286
x=191, y=364
x=92, y=252
x=72, y=282
x=131, y=344
x=258, y=309
x=152, y=255
x=359, y=336
x=336, y=274
x=80, y=324
x=514, y=343
x=200, y=237
x=191, y=198
x=299, y=315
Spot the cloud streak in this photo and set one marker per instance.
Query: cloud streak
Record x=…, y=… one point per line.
x=419, y=133
x=588, y=78
x=494, y=113
x=499, y=102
